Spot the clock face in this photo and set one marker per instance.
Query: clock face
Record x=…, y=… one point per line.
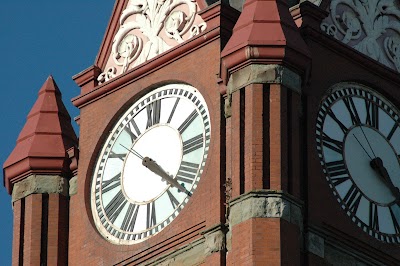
x=151, y=164
x=358, y=141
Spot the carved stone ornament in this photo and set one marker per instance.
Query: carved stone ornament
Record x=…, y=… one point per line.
x=369, y=26
x=149, y=28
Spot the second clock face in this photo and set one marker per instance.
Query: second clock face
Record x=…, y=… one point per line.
x=150, y=164
x=358, y=141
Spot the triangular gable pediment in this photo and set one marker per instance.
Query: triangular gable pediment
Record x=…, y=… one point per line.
x=370, y=26
x=140, y=30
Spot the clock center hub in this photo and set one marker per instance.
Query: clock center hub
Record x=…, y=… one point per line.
x=362, y=145
x=162, y=144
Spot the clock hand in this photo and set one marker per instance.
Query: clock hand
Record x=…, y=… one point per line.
x=362, y=146
x=155, y=168
x=377, y=164
x=365, y=136
x=133, y=152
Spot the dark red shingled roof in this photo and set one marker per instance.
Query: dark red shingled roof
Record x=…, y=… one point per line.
x=42, y=143
x=265, y=33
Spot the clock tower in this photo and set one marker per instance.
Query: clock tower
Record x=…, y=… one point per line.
x=256, y=132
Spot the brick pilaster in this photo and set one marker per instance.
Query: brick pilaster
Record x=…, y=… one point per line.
x=18, y=232
x=265, y=167
x=33, y=231
x=278, y=137
x=254, y=137
x=57, y=253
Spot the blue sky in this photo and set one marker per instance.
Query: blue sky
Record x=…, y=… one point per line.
x=38, y=39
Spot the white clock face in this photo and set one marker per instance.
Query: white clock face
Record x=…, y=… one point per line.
x=358, y=141
x=150, y=164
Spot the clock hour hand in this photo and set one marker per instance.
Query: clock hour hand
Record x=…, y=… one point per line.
x=155, y=168
x=377, y=165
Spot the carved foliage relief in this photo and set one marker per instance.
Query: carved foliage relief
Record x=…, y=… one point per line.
x=370, y=26
x=149, y=28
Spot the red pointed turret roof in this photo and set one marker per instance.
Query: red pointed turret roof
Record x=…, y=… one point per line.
x=265, y=33
x=42, y=144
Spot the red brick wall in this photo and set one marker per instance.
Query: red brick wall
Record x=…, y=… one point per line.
x=205, y=208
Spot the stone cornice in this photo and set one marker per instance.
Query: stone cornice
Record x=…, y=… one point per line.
x=40, y=184
x=266, y=204
x=264, y=74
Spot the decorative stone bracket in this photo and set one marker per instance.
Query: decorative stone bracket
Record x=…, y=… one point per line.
x=215, y=239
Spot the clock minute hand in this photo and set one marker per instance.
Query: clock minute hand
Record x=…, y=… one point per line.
x=377, y=164
x=133, y=152
x=155, y=168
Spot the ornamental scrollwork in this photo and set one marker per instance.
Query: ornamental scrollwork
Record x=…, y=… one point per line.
x=107, y=75
x=149, y=28
x=370, y=26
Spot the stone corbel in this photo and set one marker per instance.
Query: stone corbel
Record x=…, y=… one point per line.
x=215, y=239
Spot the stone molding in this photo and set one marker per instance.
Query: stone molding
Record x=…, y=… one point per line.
x=266, y=204
x=335, y=251
x=264, y=74
x=40, y=184
x=315, y=244
x=73, y=186
x=261, y=74
x=215, y=239
x=190, y=254
x=195, y=253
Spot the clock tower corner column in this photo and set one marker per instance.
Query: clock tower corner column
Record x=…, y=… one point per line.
x=265, y=64
x=37, y=174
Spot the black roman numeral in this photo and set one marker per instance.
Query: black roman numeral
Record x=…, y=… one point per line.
x=355, y=204
x=174, y=201
x=151, y=215
x=173, y=110
x=341, y=125
x=372, y=118
x=188, y=121
x=187, y=172
x=111, y=184
x=153, y=113
x=114, y=208
x=117, y=155
x=355, y=118
x=391, y=133
x=332, y=144
x=373, y=216
x=336, y=168
x=130, y=218
x=352, y=198
x=394, y=220
x=339, y=180
x=193, y=144
x=132, y=129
